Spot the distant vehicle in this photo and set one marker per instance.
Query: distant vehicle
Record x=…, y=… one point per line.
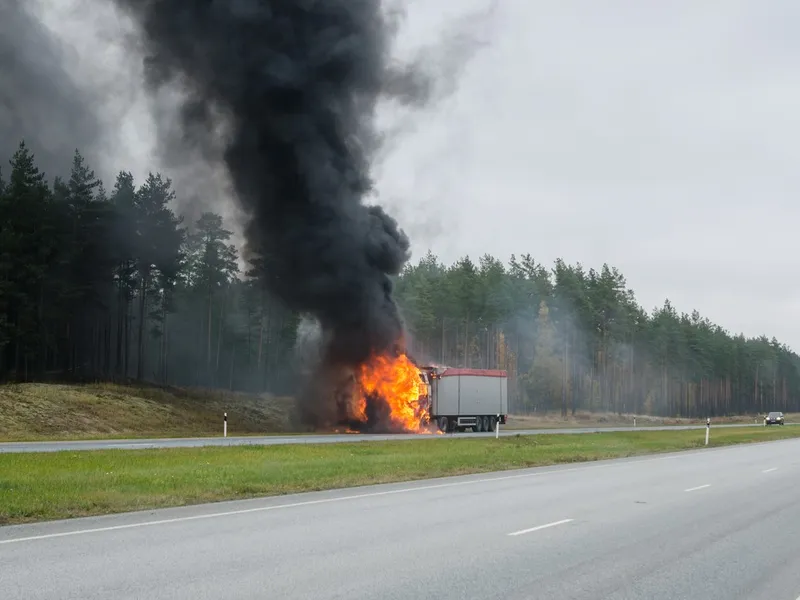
x=458, y=399
x=774, y=418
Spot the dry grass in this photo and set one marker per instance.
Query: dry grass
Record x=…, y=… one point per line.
x=39, y=411
x=33, y=411
x=587, y=419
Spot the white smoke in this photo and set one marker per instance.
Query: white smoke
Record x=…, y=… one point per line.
x=309, y=344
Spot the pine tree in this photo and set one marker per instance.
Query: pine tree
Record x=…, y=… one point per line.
x=26, y=248
x=158, y=251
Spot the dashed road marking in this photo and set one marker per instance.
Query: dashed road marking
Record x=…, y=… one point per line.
x=539, y=527
x=699, y=487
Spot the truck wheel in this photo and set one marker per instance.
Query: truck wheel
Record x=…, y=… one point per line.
x=486, y=425
x=477, y=427
x=443, y=424
x=492, y=424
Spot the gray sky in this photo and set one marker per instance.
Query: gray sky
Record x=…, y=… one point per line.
x=658, y=137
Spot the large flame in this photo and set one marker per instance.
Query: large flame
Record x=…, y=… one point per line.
x=396, y=381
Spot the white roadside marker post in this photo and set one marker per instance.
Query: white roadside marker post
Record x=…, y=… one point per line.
x=225, y=425
x=497, y=429
x=634, y=421
x=708, y=428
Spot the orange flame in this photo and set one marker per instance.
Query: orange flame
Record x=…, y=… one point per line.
x=397, y=381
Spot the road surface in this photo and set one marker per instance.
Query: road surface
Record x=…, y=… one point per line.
x=712, y=524
x=271, y=440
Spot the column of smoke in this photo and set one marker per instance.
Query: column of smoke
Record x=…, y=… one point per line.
x=288, y=90
x=321, y=380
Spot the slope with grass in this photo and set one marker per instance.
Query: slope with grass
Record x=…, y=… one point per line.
x=43, y=411
x=38, y=411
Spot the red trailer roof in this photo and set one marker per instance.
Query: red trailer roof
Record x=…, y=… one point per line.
x=474, y=373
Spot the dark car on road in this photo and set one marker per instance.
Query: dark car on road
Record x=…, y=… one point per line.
x=774, y=418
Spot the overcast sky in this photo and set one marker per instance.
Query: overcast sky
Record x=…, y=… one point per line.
x=660, y=137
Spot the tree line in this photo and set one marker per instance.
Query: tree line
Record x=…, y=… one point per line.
x=113, y=284
x=576, y=339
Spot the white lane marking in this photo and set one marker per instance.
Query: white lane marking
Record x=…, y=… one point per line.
x=699, y=487
x=614, y=463
x=244, y=511
x=770, y=470
x=545, y=526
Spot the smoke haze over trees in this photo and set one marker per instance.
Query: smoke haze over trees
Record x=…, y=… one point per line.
x=575, y=338
x=106, y=281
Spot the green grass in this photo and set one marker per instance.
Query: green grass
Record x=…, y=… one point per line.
x=46, y=486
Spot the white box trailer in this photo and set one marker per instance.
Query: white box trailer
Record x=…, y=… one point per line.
x=468, y=398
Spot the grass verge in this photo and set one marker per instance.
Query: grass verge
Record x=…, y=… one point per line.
x=35, y=487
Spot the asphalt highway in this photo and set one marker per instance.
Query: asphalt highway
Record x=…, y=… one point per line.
x=711, y=524
x=140, y=444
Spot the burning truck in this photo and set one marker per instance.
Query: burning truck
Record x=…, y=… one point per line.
x=457, y=399
x=395, y=395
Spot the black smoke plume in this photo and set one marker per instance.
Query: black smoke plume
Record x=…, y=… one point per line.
x=286, y=91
